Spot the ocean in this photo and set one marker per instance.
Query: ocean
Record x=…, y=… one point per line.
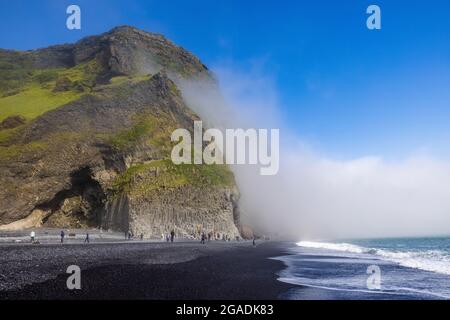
x=400, y=268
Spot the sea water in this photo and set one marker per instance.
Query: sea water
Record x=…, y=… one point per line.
x=410, y=268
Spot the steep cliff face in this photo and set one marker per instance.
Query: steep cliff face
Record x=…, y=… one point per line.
x=85, y=140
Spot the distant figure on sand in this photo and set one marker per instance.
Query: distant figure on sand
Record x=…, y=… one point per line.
x=142, y=236
x=203, y=238
x=86, y=240
x=172, y=235
x=62, y=236
x=32, y=236
x=254, y=242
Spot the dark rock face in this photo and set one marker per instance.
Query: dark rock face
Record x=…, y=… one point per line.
x=63, y=84
x=123, y=51
x=12, y=122
x=99, y=161
x=53, y=57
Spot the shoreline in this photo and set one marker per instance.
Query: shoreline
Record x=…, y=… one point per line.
x=321, y=274
x=186, y=270
x=154, y=271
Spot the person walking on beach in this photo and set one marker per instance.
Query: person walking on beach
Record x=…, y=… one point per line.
x=32, y=236
x=172, y=235
x=86, y=240
x=203, y=238
x=254, y=242
x=62, y=236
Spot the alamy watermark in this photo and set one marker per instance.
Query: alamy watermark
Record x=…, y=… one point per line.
x=74, y=280
x=374, y=20
x=236, y=146
x=73, y=21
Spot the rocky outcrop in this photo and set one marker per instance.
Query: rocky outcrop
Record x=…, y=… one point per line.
x=122, y=51
x=103, y=159
x=34, y=220
x=187, y=210
x=12, y=122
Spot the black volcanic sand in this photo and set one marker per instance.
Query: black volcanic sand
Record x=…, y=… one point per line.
x=184, y=270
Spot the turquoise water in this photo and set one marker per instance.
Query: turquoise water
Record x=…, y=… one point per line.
x=410, y=268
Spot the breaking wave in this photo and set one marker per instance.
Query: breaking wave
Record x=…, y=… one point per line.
x=428, y=260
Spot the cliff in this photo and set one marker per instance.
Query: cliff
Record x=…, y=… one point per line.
x=85, y=140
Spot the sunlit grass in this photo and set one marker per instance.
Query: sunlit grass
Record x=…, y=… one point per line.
x=34, y=101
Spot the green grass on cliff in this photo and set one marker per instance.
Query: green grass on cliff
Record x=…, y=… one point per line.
x=15, y=70
x=29, y=92
x=10, y=152
x=54, y=143
x=6, y=134
x=153, y=130
x=142, y=179
x=129, y=137
x=33, y=101
x=122, y=79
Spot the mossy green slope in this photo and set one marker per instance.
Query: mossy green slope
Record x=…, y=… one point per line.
x=142, y=180
x=31, y=92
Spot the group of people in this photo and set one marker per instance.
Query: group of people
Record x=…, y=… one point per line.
x=62, y=235
x=169, y=237
x=129, y=235
x=86, y=239
x=210, y=235
x=224, y=238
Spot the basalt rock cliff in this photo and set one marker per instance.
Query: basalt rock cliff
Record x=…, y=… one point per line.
x=85, y=140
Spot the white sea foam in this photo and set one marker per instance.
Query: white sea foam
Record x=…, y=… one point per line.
x=401, y=291
x=332, y=246
x=428, y=260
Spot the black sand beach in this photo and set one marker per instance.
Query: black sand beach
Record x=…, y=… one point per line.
x=136, y=270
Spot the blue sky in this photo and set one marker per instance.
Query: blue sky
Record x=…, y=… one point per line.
x=347, y=90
